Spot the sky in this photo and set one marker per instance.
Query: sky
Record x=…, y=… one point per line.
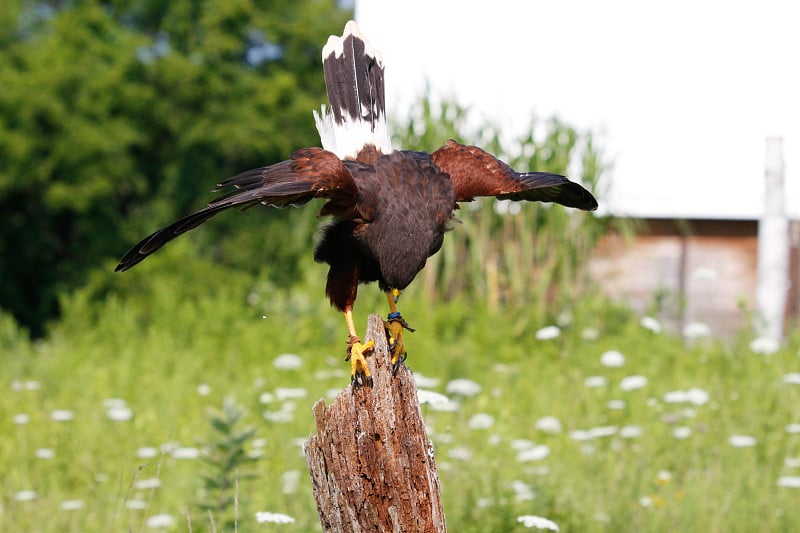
x=682, y=94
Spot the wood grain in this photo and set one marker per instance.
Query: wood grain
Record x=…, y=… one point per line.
x=372, y=465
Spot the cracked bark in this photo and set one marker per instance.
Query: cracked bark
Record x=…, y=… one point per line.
x=372, y=465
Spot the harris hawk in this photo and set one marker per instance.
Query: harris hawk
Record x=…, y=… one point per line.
x=390, y=208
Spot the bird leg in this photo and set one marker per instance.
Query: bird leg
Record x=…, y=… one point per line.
x=395, y=324
x=359, y=371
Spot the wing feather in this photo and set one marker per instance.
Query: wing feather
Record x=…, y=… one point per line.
x=310, y=173
x=475, y=172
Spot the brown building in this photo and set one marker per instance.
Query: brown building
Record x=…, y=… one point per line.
x=696, y=270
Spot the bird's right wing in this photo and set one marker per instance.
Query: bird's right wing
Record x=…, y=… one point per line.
x=310, y=173
x=475, y=172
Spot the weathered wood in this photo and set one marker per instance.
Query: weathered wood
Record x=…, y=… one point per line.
x=372, y=465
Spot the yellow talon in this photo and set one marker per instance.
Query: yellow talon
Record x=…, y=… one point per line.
x=396, y=346
x=359, y=370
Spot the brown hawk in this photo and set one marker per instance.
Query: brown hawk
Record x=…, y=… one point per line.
x=390, y=208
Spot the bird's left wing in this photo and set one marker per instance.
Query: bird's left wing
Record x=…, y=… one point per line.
x=310, y=173
x=475, y=172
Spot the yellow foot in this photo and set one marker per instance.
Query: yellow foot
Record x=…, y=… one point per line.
x=359, y=371
x=394, y=333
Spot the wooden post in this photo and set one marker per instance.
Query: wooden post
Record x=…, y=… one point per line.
x=773, y=247
x=372, y=465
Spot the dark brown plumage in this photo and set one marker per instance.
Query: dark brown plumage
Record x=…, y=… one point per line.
x=390, y=208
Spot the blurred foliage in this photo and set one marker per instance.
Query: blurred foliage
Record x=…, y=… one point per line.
x=117, y=116
x=518, y=254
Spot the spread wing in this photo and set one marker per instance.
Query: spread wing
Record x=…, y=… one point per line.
x=310, y=173
x=475, y=172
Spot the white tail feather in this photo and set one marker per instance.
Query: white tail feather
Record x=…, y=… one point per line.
x=354, y=80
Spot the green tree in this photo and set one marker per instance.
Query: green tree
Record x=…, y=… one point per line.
x=117, y=116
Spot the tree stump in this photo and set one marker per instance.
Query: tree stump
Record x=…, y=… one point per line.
x=372, y=464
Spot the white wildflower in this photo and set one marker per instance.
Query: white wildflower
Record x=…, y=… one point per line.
x=25, y=495
x=287, y=361
x=579, y=435
x=273, y=518
x=697, y=396
x=630, y=432
x=463, y=386
x=281, y=417
x=792, y=428
x=549, y=424
x=630, y=383
x=792, y=378
x=648, y=322
x=595, y=381
x=147, y=483
x=765, y=345
x=185, y=452
x=695, y=330
x=285, y=393
x=204, y=389
x=109, y=403
x=290, y=481
x=136, y=505
x=146, y=452
x=694, y=396
x=460, y=453
x=602, y=431
x=20, y=419
x=664, y=476
x=792, y=482
x=616, y=405
x=266, y=397
x=480, y=421
x=547, y=333
x=45, y=453
x=590, y=334
x=425, y=382
x=437, y=401
x=612, y=359
x=71, y=505
x=62, y=415
x=742, y=441
x=160, y=521
x=537, y=453
x=682, y=432
x=522, y=491
x=533, y=521
x=119, y=413
x=521, y=444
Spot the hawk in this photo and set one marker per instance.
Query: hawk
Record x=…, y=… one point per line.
x=390, y=208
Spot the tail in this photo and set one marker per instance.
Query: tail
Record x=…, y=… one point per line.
x=354, y=80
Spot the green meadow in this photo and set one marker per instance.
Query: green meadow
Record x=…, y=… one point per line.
x=107, y=422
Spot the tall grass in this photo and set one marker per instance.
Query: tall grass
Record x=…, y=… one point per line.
x=623, y=459
x=521, y=255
